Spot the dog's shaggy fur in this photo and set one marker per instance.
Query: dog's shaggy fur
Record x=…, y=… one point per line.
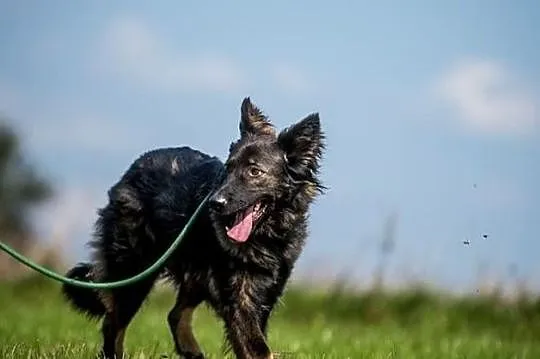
x=241, y=250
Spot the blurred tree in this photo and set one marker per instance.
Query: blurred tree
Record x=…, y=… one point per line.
x=20, y=189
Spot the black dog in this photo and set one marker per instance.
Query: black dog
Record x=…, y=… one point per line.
x=241, y=250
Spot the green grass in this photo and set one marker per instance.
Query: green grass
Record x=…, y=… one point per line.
x=36, y=323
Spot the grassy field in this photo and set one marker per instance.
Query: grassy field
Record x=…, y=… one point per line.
x=36, y=323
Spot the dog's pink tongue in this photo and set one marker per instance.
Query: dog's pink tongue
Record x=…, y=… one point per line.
x=242, y=226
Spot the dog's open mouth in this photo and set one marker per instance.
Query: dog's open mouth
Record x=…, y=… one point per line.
x=244, y=221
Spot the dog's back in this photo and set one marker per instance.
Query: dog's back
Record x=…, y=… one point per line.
x=147, y=209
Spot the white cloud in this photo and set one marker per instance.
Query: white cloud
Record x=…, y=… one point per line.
x=133, y=50
x=487, y=98
x=292, y=80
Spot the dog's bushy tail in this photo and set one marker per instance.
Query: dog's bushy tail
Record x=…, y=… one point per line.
x=83, y=299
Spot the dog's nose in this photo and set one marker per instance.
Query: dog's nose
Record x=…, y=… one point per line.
x=218, y=202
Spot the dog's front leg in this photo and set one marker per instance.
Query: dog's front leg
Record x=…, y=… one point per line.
x=245, y=334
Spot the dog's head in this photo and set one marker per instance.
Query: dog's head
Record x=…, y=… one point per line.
x=265, y=171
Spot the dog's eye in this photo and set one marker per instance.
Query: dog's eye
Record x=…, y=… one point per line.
x=254, y=172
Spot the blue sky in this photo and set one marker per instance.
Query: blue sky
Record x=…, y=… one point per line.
x=432, y=113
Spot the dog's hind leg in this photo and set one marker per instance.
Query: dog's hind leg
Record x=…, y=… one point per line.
x=122, y=305
x=179, y=320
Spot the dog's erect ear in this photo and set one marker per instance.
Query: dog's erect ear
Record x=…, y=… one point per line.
x=303, y=144
x=253, y=121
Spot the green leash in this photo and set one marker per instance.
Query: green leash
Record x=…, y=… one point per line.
x=108, y=285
